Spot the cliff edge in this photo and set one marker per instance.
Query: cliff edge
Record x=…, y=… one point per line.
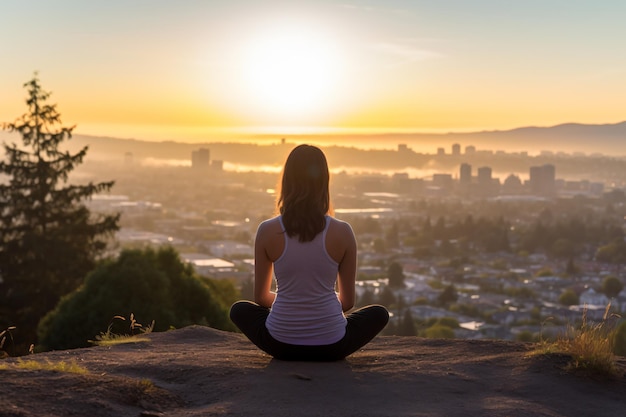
x=199, y=371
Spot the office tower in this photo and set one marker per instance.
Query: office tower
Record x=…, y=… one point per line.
x=543, y=180
x=200, y=159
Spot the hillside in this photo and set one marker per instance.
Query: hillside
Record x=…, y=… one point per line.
x=604, y=139
x=198, y=371
x=568, y=137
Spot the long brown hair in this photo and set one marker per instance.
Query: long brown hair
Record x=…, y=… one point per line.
x=304, y=196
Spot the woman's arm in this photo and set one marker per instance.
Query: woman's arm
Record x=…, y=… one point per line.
x=263, y=268
x=346, y=278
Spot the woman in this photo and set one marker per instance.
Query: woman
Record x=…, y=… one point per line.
x=311, y=254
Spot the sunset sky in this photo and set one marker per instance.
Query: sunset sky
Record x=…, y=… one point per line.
x=156, y=69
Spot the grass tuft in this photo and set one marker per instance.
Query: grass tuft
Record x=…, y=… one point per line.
x=109, y=338
x=3, y=338
x=61, y=366
x=112, y=339
x=590, y=346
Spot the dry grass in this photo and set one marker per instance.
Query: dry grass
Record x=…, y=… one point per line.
x=112, y=339
x=3, y=338
x=590, y=346
x=109, y=338
x=32, y=365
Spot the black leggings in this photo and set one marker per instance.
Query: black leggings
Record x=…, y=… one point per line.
x=362, y=325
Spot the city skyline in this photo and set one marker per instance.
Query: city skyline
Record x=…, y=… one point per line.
x=159, y=70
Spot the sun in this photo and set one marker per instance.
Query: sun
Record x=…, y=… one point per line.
x=290, y=72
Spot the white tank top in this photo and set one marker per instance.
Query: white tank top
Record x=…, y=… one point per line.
x=306, y=310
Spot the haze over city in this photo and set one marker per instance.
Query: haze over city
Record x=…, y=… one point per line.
x=204, y=70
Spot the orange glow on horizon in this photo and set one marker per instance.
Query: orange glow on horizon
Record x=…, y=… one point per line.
x=194, y=70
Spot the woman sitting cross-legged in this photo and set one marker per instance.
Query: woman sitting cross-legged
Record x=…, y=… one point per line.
x=311, y=254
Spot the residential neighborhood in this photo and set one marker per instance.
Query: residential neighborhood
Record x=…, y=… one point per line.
x=490, y=259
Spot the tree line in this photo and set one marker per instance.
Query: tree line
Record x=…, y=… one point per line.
x=563, y=238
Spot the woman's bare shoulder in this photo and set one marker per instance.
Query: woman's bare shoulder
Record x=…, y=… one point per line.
x=340, y=226
x=270, y=226
x=270, y=239
x=340, y=240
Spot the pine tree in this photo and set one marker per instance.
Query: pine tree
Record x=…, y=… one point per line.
x=395, y=274
x=448, y=295
x=49, y=240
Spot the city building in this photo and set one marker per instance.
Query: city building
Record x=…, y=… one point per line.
x=200, y=158
x=465, y=175
x=485, y=183
x=484, y=175
x=542, y=180
x=217, y=165
x=443, y=181
x=512, y=185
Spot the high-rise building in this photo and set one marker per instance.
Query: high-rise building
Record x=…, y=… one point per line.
x=484, y=175
x=470, y=150
x=200, y=158
x=485, y=185
x=443, y=181
x=542, y=180
x=465, y=174
x=456, y=149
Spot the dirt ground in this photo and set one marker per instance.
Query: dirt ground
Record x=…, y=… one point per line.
x=198, y=371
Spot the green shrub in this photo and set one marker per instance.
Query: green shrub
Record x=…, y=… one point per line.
x=612, y=286
x=152, y=285
x=569, y=298
x=450, y=322
x=545, y=272
x=525, y=336
x=439, y=332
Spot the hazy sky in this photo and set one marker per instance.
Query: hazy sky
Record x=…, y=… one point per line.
x=158, y=69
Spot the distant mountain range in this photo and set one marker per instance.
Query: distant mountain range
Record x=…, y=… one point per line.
x=569, y=137
x=608, y=139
